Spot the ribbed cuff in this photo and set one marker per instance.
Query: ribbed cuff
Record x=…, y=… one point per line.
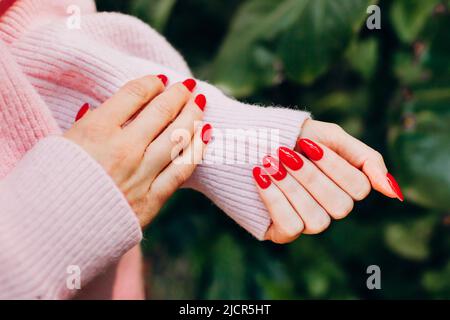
x=60, y=214
x=226, y=173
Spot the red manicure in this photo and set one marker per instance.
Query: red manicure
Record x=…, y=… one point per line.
x=84, y=108
x=394, y=185
x=200, y=100
x=206, y=133
x=262, y=179
x=275, y=168
x=190, y=84
x=290, y=158
x=312, y=150
x=163, y=79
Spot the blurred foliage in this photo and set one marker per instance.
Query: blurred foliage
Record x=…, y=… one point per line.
x=388, y=87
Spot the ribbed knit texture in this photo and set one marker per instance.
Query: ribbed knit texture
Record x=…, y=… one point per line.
x=59, y=209
x=49, y=70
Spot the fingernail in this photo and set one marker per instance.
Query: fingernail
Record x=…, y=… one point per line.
x=200, y=100
x=190, y=84
x=395, y=187
x=275, y=168
x=163, y=79
x=262, y=179
x=312, y=150
x=290, y=158
x=206, y=133
x=84, y=108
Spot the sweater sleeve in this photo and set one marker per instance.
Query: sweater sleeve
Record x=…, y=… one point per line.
x=62, y=221
x=70, y=67
x=225, y=176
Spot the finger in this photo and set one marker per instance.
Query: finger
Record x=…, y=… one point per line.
x=176, y=137
x=130, y=98
x=360, y=155
x=346, y=176
x=172, y=177
x=314, y=217
x=159, y=113
x=286, y=224
x=333, y=199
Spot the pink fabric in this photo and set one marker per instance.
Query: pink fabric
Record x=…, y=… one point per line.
x=58, y=208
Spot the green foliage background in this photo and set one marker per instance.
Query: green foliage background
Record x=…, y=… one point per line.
x=388, y=87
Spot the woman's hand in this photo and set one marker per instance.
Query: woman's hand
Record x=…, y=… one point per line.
x=304, y=190
x=137, y=136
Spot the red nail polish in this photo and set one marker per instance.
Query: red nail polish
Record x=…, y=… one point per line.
x=394, y=185
x=163, y=79
x=290, y=158
x=274, y=168
x=312, y=150
x=206, y=133
x=190, y=84
x=262, y=179
x=200, y=100
x=84, y=108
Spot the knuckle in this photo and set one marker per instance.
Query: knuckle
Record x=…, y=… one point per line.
x=343, y=208
x=291, y=231
x=158, y=196
x=138, y=89
x=363, y=190
x=336, y=128
x=309, y=176
x=377, y=157
x=180, y=175
x=96, y=131
x=320, y=223
x=163, y=107
x=122, y=153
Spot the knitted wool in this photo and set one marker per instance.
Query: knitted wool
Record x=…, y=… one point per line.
x=51, y=191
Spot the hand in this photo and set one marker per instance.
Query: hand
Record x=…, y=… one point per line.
x=135, y=135
x=304, y=191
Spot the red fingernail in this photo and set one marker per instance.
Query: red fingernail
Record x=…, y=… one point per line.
x=200, y=100
x=262, y=179
x=290, y=158
x=274, y=168
x=190, y=84
x=394, y=185
x=163, y=79
x=312, y=150
x=206, y=133
x=84, y=108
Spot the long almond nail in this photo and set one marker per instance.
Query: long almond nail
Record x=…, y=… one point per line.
x=200, y=101
x=290, y=158
x=206, y=133
x=190, y=84
x=395, y=187
x=84, y=108
x=274, y=168
x=262, y=179
x=312, y=150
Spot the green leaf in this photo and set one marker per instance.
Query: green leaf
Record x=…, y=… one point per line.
x=156, y=12
x=363, y=57
x=228, y=271
x=437, y=282
x=410, y=16
x=320, y=34
x=410, y=240
x=421, y=146
x=304, y=36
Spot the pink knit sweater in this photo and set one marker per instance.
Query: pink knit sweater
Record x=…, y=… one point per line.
x=58, y=208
